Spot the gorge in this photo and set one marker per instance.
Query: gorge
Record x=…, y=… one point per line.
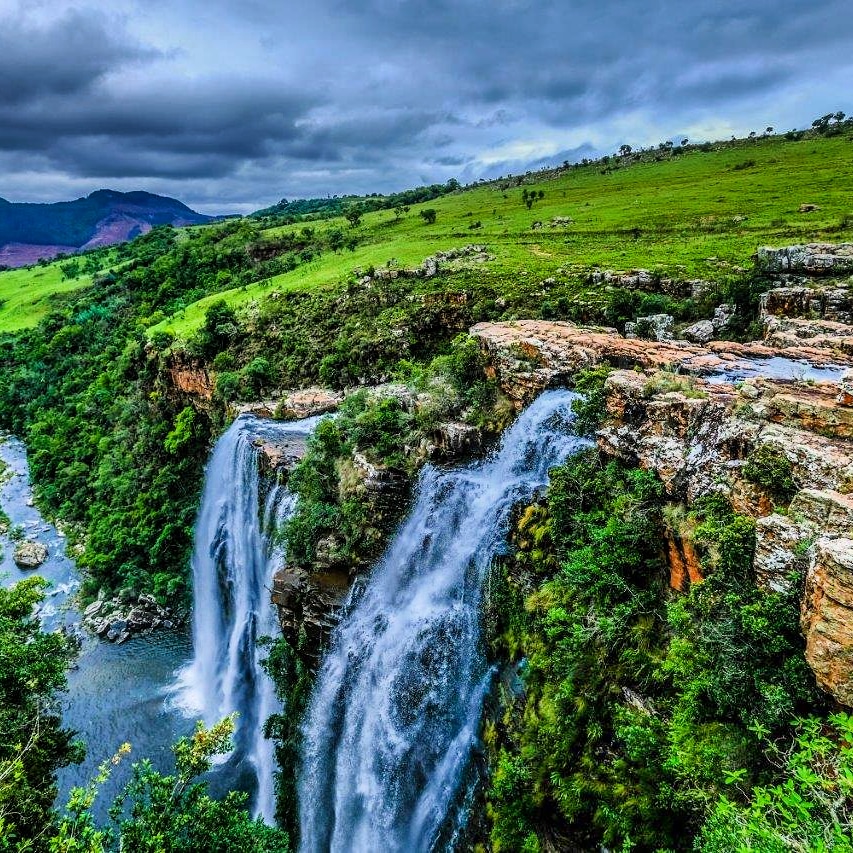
x=549, y=533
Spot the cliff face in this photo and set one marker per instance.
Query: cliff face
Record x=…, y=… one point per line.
x=698, y=434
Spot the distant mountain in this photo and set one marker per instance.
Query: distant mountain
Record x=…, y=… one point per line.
x=29, y=232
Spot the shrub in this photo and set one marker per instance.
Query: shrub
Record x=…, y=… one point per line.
x=768, y=467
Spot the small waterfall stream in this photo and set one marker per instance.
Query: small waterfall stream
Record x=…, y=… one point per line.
x=397, y=704
x=234, y=557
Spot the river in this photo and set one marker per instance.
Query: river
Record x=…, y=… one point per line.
x=115, y=693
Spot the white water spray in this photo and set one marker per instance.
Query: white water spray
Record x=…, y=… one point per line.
x=398, y=699
x=234, y=557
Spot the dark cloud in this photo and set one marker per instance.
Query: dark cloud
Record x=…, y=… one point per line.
x=246, y=103
x=63, y=57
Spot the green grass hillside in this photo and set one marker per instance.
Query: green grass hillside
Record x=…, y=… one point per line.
x=696, y=214
x=26, y=294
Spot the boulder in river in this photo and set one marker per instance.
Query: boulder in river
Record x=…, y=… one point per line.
x=29, y=554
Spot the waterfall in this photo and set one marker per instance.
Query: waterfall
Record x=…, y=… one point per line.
x=233, y=560
x=397, y=704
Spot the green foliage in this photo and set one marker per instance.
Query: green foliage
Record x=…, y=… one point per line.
x=293, y=680
x=158, y=813
x=575, y=749
x=638, y=706
x=590, y=409
x=183, y=432
x=809, y=809
x=767, y=466
x=664, y=382
x=33, y=744
x=428, y=214
x=109, y=451
x=331, y=501
x=464, y=367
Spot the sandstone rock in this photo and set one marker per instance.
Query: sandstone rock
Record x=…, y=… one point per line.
x=190, y=377
x=700, y=333
x=827, y=617
x=823, y=510
x=812, y=259
x=845, y=394
x=685, y=567
x=778, y=562
x=308, y=402
x=281, y=454
x=29, y=554
x=309, y=602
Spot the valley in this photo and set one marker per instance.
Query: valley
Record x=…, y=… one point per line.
x=509, y=527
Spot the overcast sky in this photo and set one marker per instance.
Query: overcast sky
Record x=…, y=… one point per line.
x=232, y=105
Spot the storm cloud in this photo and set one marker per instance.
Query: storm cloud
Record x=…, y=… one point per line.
x=231, y=106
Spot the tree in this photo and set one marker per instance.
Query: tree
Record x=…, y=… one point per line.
x=428, y=215
x=156, y=813
x=33, y=744
x=353, y=216
x=624, y=150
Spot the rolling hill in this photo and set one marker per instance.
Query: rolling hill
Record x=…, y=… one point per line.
x=30, y=232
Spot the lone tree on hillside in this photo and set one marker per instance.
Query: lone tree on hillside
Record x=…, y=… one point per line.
x=428, y=215
x=353, y=216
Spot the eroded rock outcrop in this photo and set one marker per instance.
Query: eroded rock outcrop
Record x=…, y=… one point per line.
x=827, y=616
x=190, y=377
x=308, y=598
x=812, y=259
x=672, y=413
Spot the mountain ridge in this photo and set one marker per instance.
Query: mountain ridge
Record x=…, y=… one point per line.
x=32, y=231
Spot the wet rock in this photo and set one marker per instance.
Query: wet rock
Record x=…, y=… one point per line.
x=455, y=439
x=29, y=554
x=120, y=618
x=116, y=629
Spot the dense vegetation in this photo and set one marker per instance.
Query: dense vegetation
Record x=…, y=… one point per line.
x=33, y=744
x=643, y=712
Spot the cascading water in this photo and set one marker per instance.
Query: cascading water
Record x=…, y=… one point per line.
x=398, y=698
x=234, y=557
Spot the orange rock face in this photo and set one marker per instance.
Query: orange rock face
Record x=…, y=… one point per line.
x=683, y=561
x=827, y=617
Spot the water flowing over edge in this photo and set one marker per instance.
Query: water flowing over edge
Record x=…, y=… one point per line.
x=235, y=554
x=398, y=699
